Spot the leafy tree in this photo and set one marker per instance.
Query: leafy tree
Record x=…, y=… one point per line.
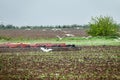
x=2, y=26
x=103, y=26
x=9, y=26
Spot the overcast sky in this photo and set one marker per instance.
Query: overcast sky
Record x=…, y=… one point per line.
x=56, y=12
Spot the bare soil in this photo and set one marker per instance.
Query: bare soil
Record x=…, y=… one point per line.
x=41, y=33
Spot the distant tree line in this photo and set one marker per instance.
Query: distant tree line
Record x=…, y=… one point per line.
x=2, y=27
x=40, y=27
x=7, y=26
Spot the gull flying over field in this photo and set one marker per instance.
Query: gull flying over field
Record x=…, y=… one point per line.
x=69, y=35
x=117, y=40
x=87, y=37
x=46, y=49
x=55, y=29
x=60, y=38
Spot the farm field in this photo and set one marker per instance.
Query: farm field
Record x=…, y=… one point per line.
x=97, y=59
x=41, y=33
x=89, y=63
x=68, y=36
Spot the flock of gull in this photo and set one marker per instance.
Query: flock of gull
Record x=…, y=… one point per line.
x=66, y=34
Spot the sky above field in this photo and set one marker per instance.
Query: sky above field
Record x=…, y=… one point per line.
x=56, y=12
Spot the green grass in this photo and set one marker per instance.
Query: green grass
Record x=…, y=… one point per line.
x=70, y=40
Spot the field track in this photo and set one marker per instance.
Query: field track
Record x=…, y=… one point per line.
x=78, y=48
x=36, y=49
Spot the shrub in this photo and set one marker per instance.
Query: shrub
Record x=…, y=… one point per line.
x=5, y=38
x=103, y=26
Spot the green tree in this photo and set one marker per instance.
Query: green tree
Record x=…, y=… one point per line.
x=2, y=26
x=9, y=26
x=103, y=26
